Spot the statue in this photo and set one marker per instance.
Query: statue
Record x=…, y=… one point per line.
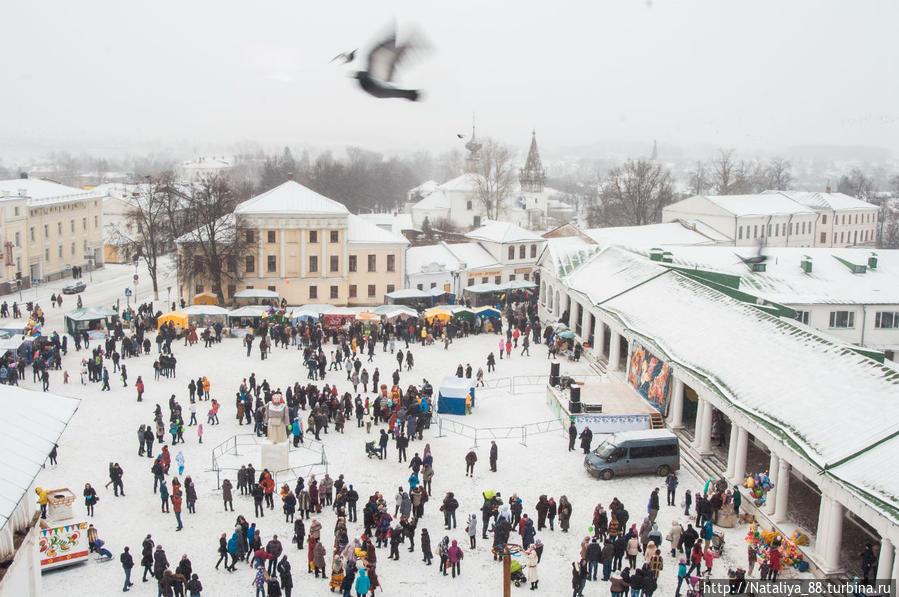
x=277, y=419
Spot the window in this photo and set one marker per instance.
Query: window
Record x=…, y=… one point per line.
x=511, y=252
x=371, y=291
x=231, y=264
x=58, y=227
x=71, y=225
x=533, y=251
x=372, y=263
x=334, y=292
x=841, y=236
x=527, y=277
x=390, y=288
x=96, y=221
x=15, y=211
x=740, y=232
x=886, y=320
x=823, y=219
x=511, y=277
x=353, y=291
x=271, y=264
x=433, y=284
x=498, y=280
x=231, y=290
x=769, y=230
x=755, y=231
x=391, y=263
x=521, y=251
x=46, y=230
x=31, y=234
x=335, y=236
x=59, y=250
x=777, y=230
x=420, y=287
x=842, y=319
x=313, y=292
x=313, y=236
x=272, y=288
x=19, y=241
x=249, y=264
x=352, y=263
x=335, y=263
x=47, y=254
x=477, y=221
x=313, y=264
x=271, y=236
x=84, y=223
x=823, y=238
x=653, y=451
x=468, y=206
x=801, y=316
x=484, y=280
x=73, y=249
x=470, y=282
x=249, y=236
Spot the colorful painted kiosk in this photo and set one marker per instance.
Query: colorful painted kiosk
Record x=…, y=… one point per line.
x=452, y=394
x=63, y=539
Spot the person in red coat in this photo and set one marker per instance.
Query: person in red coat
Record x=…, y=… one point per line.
x=176, y=506
x=774, y=561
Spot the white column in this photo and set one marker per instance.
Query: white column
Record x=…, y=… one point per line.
x=697, y=429
x=885, y=562
x=585, y=323
x=834, y=536
x=783, y=490
x=771, y=498
x=740, y=459
x=705, y=440
x=821, y=531
x=614, y=351
x=731, y=450
x=677, y=404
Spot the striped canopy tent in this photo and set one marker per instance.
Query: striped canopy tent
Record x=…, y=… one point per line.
x=206, y=298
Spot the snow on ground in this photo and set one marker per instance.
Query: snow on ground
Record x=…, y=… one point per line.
x=104, y=430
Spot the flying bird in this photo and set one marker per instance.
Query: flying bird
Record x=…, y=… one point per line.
x=460, y=135
x=383, y=61
x=345, y=57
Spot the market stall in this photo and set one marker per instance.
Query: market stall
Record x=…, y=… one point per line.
x=177, y=318
x=452, y=395
x=368, y=317
x=393, y=312
x=206, y=298
x=94, y=320
x=205, y=315
x=441, y=296
x=483, y=294
x=249, y=316
x=335, y=316
x=411, y=297
x=442, y=313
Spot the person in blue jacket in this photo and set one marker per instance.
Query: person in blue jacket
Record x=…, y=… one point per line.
x=362, y=583
x=232, y=551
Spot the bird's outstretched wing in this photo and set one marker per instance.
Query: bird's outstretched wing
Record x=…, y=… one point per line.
x=382, y=57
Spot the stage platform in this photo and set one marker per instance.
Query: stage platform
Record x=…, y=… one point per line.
x=622, y=408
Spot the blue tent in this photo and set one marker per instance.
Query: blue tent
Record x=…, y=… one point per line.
x=452, y=394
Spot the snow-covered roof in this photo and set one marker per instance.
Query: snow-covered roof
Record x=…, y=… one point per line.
x=362, y=231
x=834, y=201
x=291, y=198
x=707, y=231
x=407, y=293
x=650, y=235
x=204, y=310
x=503, y=232
x=762, y=204
x=391, y=222
x=256, y=293
x=34, y=422
x=564, y=254
x=789, y=378
x=44, y=192
x=424, y=188
x=447, y=257
x=249, y=311
x=784, y=281
x=436, y=200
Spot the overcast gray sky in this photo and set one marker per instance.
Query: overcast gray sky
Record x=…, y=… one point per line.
x=760, y=73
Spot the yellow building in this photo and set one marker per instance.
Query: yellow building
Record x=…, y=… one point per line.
x=310, y=249
x=52, y=227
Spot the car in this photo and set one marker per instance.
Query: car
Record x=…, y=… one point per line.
x=74, y=288
x=633, y=452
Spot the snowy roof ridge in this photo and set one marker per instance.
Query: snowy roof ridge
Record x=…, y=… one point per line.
x=758, y=204
x=361, y=230
x=291, y=197
x=503, y=232
x=44, y=192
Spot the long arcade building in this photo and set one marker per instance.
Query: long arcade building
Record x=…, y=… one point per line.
x=820, y=409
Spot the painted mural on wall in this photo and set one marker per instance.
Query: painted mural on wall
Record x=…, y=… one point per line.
x=650, y=376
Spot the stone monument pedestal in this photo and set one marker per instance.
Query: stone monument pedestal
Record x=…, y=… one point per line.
x=275, y=457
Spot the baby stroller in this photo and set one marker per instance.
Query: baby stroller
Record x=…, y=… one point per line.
x=372, y=450
x=696, y=586
x=517, y=574
x=105, y=554
x=717, y=544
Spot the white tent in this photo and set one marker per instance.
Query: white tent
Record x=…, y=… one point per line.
x=256, y=293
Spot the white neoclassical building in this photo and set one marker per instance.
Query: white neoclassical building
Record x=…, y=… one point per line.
x=805, y=406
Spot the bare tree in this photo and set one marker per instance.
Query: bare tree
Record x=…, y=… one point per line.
x=778, y=174
x=698, y=179
x=495, y=178
x=213, y=248
x=635, y=193
x=149, y=216
x=726, y=173
x=858, y=185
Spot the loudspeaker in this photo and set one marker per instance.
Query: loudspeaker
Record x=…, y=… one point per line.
x=575, y=393
x=553, y=381
x=554, y=369
x=565, y=382
x=575, y=407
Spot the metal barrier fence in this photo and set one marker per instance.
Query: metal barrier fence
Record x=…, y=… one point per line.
x=235, y=446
